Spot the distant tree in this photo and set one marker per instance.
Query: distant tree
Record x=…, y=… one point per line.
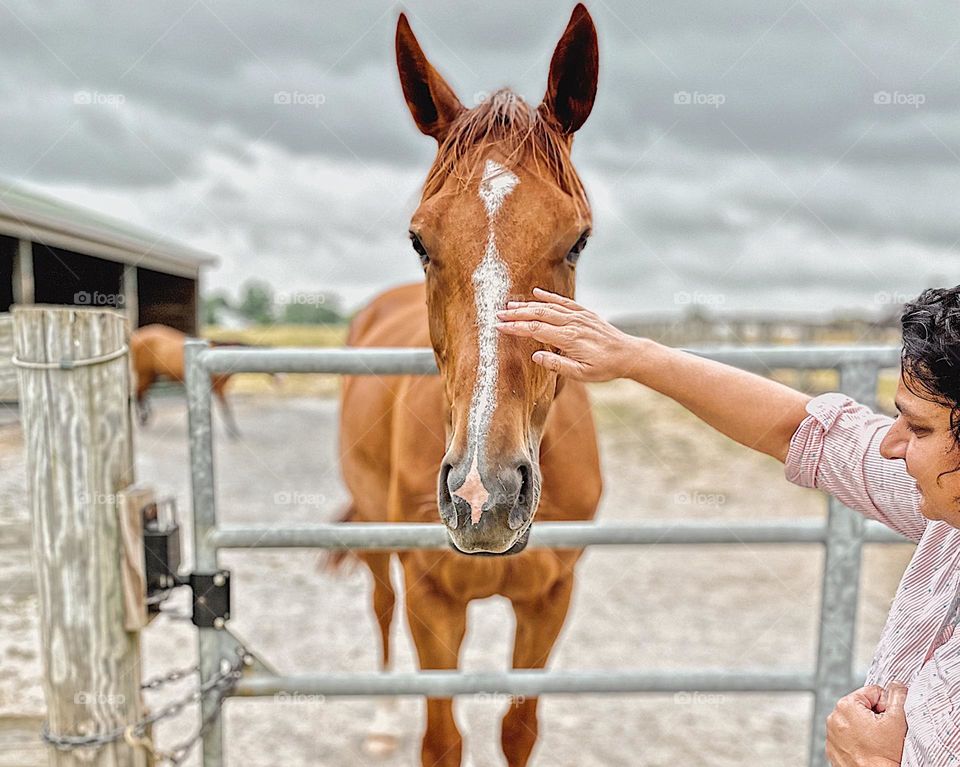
x=256, y=303
x=212, y=307
x=312, y=309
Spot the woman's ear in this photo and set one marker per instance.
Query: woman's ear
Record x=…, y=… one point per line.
x=432, y=102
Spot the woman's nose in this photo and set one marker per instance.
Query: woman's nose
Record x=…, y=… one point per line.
x=894, y=444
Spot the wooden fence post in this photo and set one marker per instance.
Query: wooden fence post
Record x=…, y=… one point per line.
x=78, y=436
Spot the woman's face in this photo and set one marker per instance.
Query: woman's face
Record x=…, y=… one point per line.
x=922, y=438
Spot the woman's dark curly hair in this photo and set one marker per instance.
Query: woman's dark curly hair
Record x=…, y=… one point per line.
x=931, y=349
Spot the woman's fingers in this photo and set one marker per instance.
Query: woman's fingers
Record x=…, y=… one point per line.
x=546, y=298
x=556, y=298
x=868, y=696
x=540, y=305
x=562, y=365
x=543, y=312
x=539, y=331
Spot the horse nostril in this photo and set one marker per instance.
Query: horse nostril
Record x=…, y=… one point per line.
x=445, y=501
x=445, y=478
x=524, y=471
x=523, y=505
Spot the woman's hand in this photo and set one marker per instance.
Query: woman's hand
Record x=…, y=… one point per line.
x=867, y=728
x=591, y=349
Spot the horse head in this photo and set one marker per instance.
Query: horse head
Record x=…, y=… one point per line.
x=502, y=211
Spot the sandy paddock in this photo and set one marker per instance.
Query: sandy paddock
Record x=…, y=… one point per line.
x=646, y=607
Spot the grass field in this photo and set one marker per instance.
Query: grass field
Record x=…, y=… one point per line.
x=281, y=335
x=289, y=385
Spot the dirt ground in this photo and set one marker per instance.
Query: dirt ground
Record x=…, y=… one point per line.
x=664, y=607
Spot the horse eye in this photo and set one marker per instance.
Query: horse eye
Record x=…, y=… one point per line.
x=421, y=251
x=574, y=255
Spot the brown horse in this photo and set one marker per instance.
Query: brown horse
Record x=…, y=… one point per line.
x=495, y=439
x=157, y=351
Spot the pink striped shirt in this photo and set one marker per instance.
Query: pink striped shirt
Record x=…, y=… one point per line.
x=837, y=449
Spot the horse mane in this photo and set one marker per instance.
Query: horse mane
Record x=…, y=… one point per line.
x=520, y=132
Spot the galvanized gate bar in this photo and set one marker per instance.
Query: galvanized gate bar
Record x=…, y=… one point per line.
x=841, y=584
x=844, y=534
x=802, y=357
x=397, y=536
x=389, y=361
x=211, y=647
x=444, y=684
x=336, y=361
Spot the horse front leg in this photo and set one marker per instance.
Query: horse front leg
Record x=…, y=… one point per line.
x=538, y=624
x=386, y=729
x=143, y=410
x=437, y=623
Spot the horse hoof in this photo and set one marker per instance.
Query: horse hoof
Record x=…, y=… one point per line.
x=380, y=745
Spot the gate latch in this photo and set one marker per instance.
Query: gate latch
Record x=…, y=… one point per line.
x=161, y=551
x=211, y=598
x=161, y=548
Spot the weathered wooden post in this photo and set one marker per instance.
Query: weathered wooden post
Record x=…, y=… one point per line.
x=75, y=409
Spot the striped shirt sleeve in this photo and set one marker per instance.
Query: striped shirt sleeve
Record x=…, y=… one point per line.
x=836, y=449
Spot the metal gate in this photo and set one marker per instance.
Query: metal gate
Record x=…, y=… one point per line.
x=843, y=535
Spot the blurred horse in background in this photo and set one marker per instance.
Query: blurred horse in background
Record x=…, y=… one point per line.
x=157, y=352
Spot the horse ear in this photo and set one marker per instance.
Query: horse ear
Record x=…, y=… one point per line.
x=432, y=102
x=572, y=85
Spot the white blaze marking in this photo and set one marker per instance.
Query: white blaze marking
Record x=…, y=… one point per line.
x=491, y=283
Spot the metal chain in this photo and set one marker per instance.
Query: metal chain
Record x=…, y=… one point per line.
x=179, y=753
x=135, y=734
x=174, y=676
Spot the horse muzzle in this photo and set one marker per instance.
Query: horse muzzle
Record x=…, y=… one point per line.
x=488, y=510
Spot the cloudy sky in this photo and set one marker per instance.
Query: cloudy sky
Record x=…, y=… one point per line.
x=763, y=155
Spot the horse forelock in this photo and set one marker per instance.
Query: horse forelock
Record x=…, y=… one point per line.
x=506, y=125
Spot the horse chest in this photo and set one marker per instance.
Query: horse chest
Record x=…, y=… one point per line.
x=523, y=577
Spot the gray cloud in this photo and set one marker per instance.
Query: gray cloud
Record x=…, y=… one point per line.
x=787, y=100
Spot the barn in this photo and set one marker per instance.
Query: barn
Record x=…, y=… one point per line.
x=52, y=252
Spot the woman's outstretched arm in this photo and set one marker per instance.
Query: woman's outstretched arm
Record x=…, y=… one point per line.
x=755, y=411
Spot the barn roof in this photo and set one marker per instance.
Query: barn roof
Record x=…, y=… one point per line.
x=43, y=219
